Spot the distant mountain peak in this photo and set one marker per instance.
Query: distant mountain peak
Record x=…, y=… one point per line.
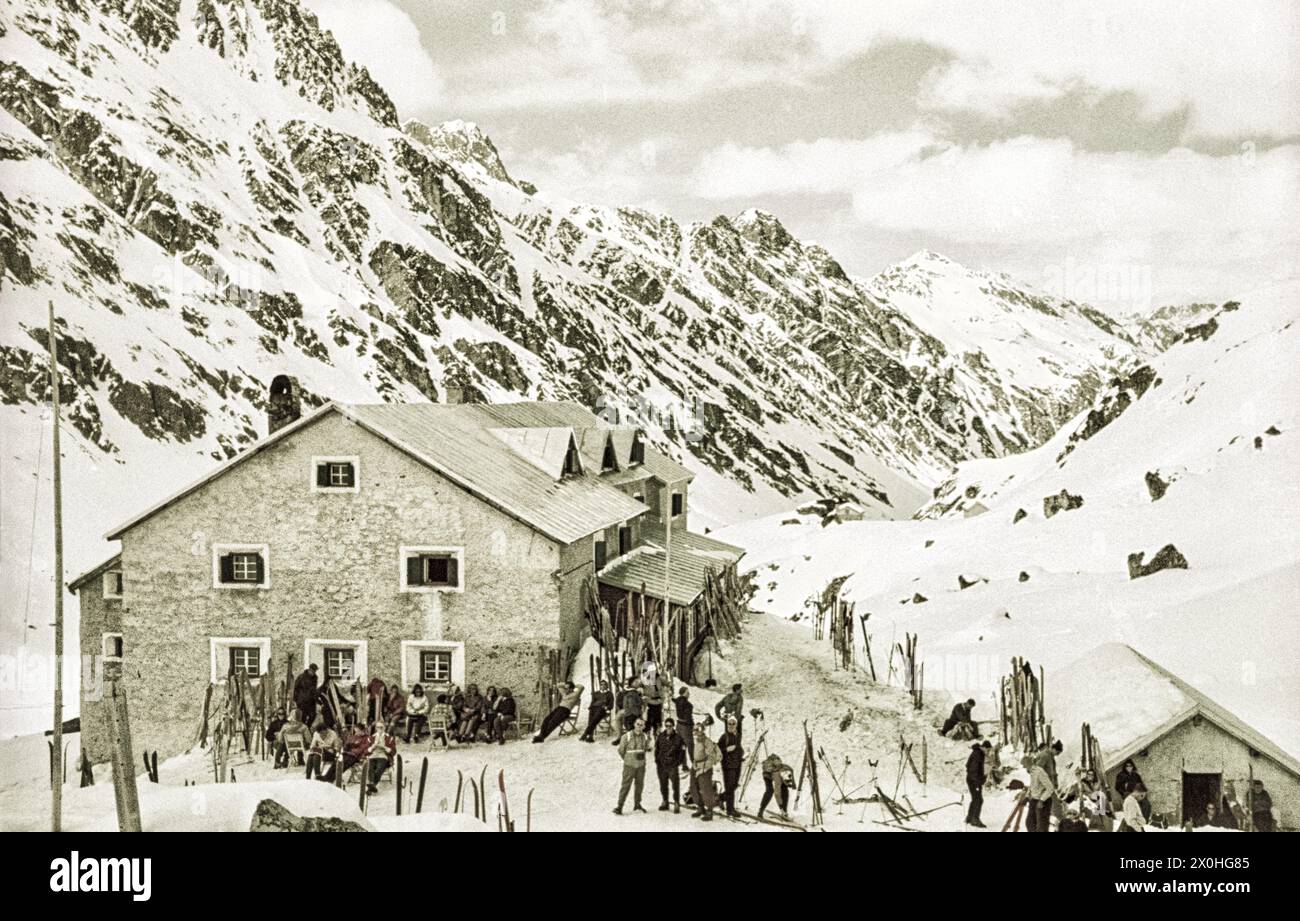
x=462, y=142
x=762, y=228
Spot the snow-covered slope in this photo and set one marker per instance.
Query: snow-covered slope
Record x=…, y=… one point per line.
x=212, y=195
x=1210, y=428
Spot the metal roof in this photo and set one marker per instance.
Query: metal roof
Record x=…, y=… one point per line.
x=646, y=567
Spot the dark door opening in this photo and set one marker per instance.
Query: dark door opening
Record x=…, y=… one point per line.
x=1199, y=790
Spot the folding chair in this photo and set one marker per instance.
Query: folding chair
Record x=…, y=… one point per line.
x=440, y=726
x=294, y=744
x=570, y=726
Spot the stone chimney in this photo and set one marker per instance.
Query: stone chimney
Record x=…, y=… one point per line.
x=285, y=404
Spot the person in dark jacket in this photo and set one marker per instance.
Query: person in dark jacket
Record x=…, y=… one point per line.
x=670, y=755
x=1127, y=778
x=961, y=713
x=975, y=778
x=733, y=759
x=570, y=698
x=602, y=702
x=1214, y=819
x=778, y=778
x=504, y=713
x=273, y=728
x=732, y=705
x=1261, y=808
x=304, y=694
x=1072, y=822
x=685, y=719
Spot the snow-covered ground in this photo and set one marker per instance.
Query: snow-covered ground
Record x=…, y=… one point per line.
x=1221, y=425
x=786, y=674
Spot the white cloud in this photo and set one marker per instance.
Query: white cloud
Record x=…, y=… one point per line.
x=1203, y=224
x=382, y=38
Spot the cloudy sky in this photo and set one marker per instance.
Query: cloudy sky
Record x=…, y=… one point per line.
x=1040, y=138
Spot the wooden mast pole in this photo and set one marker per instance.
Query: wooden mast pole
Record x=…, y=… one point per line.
x=56, y=779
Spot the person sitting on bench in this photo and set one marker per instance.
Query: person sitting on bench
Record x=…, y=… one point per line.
x=506, y=713
x=383, y=749
x=325, y=747
x=417, y=712
x=296, y=730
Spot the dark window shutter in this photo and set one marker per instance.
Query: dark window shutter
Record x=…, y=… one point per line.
x=322, y=474
x=227, y=567
x=261, y=569
x=414, y=571
x=600, y=554
x=453, y=572
x=231, y=670
x=349, y=475
x=624, y=540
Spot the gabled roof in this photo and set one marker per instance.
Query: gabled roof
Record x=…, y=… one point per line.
x=648, y=567
x=75, y=585
x=457, y=442
x=1131, y=702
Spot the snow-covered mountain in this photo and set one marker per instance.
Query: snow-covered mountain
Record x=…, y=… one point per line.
x=1049, y=553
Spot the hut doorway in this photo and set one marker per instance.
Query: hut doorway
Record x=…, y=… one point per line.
x=1199, y=790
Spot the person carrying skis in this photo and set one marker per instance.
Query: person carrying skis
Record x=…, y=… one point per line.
x=670, y=755
x=602, y=702
x=706, y=758
x=975, y=778
x=733, y=704
x=778, y=778
x=304, y=694
x=733, y=760
x=632, y=749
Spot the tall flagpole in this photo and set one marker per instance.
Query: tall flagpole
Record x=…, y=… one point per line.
x=56, y=778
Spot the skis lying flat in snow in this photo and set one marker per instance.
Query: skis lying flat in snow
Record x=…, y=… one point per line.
x=770, y=820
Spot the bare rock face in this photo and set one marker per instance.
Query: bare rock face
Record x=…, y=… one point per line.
x=271, y=816
x=1063, y=501
x=1020, y=513
x=918, y=598
x=1156, y=485
x=963, y=583
x=1167, y=557
x=1024, y=576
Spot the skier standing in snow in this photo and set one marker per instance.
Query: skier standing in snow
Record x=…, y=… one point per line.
x=733, y=704
x=1040, y=795
x=304, y=694
x=654, y=704
x=632, y=749
x=686, y=719
x=733, y=759
x=602, y=702
x=706, y=758
x=975, y=778
x=670, y=755
x=632, y=707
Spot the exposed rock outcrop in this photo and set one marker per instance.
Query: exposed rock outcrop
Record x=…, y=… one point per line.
x=1167, y=557
x=271, y=816
x=1063, y=501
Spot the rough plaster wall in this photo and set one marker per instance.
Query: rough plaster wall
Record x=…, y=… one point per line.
x=98, y=616
x=334, y=572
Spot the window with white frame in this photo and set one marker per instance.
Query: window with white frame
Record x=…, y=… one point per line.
x=435, y=666
x=238, y=654
x=341, y=662
x=113, y=584
x=246, y=659
x=336, y=474
x=432, y=569
x=240, y=566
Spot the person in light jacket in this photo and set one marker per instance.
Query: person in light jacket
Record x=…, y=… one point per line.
x=1133, y=819
x=569, y=701
x=632, y=749
x=706, y=758
x=1040, y=795
x=417, y=712
x=325, y=747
